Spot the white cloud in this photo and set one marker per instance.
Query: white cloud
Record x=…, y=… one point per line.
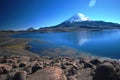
x=92, y=3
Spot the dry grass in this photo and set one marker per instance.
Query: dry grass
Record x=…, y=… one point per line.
x=4, y=39
x=17, y=41
x=6, y=34
x=16, y=47
x=15, y=44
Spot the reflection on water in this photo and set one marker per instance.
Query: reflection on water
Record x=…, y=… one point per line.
x=101, y=43
x=83, y=39
x=98, y=36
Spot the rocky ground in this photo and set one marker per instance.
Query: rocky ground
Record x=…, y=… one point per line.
x=59, y=68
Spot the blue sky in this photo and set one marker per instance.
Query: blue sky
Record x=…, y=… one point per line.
x=21, y=14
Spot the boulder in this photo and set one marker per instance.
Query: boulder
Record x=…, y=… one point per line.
x=105, y=72
x=49, y=73
x=22, y=64
x=95, y=61
x=85, y=59
x=20, y=75
x=85, y=74
x=88, y=65
x=4, y=69
x=36, y=67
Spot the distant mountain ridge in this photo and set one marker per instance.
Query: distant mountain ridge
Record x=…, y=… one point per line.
x=80, y=22
x=92, y=24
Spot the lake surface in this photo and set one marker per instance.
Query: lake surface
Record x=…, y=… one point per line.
x=100, y=43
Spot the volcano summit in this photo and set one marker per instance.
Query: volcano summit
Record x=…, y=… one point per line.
x=79, y=17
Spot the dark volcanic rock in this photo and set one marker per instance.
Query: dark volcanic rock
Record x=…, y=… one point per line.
x=20, y=76
x=23, y=64
x=88, y=65
x=36, y=67
x=95, y=61
x=105, y=72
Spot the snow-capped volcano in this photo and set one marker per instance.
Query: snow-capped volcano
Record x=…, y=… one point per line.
x=80, y=22
x=78, y=18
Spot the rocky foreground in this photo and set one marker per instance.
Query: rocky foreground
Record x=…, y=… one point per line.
x=59, y=68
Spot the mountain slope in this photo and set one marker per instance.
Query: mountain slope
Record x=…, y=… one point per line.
x=80, y=22
x=92, y=24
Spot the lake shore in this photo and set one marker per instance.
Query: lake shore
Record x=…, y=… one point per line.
x=17, y=63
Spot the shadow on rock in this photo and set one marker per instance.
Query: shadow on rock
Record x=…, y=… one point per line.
x=105, y=72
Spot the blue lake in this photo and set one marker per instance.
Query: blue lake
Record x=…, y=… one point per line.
x=100, y=43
